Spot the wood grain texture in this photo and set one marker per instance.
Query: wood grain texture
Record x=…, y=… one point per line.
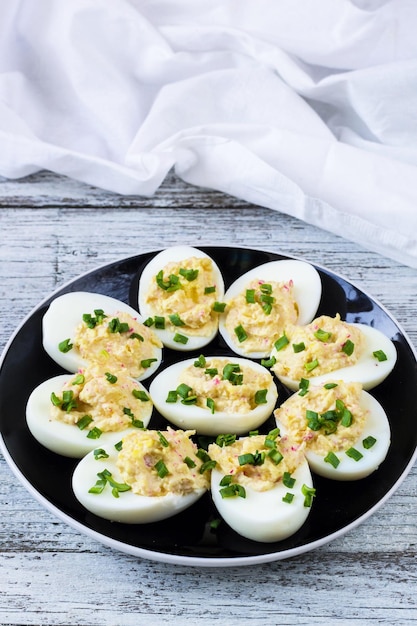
x=51, y=230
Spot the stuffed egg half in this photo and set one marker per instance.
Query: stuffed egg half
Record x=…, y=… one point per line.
x=215, y=395
x=149, y=476
x=329, y=348
x=262, y=486
x=343, y=430
x=262, y=302
x=180, y=292
x=82, y=327
x=72, y=414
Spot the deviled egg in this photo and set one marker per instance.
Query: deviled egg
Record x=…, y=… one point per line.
x=344, y=430
x=261, y=303
x=72, y=414
x=150, y=476
x=82, y=327
x=330, y=348
x=181, y=294
x=214, y=395
x=262, y=486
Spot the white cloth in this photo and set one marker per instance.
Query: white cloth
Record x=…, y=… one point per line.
x=307, y=107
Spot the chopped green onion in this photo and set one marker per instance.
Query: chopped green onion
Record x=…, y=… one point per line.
x=118, y=446
x=180, y=338
x=84, y=421
x=65, y=346
x=225, y=440
x=136, y=336
x=289, y=497
x=207, y=465
x=253, y=433
x=189, y=462
x=288, y=480
x=229, y=370
x=161, y=469
x=250, y=296
x=139, y=394
x=332, y=459
x=94, y=433
x=380, y=355
x=311, y=365
x=99, y=453
x=190, y=274
x=266, y=288
x=269, y=362
x=210, y=404
x=145, y=363
x=275, y=456
x=203, y=455
x=299, y=347
x=303, y=386
x=116, y=326
x=164, y=442
x=172, y=396
x=330, y=385
x=111, y=378
x=281, y=343
x=308, y=493
x=260, y=396
x=159, y=322
x=211, y=371
x=172, y=284
x=78, y=380
x=176, y=320
x=241, y=333
x=368, y=442
x=348, y=347
x=200, y=362
x=210, y=289
x=149, y=322
x=225, y=481
x=322, y=335
x=233, y=490
x=219, y=307
x=354, y=454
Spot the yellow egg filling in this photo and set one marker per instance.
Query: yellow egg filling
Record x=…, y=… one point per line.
x=184, y=293
x=327, y=418
x=324, y=345
x=156, y=463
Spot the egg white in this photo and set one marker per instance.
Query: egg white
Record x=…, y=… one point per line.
x=129, y=507
x=65, y=314
x=262, y=515
x=307, y=294
x=176, y=254
x=376, y=425
x=367, y=370
x=201, y=419
x=66, y=439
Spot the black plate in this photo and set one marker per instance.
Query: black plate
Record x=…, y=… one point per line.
x=188, y=538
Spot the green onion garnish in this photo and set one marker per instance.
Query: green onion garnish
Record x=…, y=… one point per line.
x=210, y=404
x=299, y=347
x=180, y=338
x=288, y=480
x=139, y=394
x=281, y=343
x=200, y=362
x=189, y=462
x=65, y=346
x=368, y=442
x=78, y=380
x=289, y=497
x=208, y=290
x=348, y=347
x=250, y=296
x=233, y=490
x=330, y=385
x=161, y=469
x=260, y=396
x=84, y=421
x=269, y=362
x=380, y=355
x=241, y=333
x=159, y=322
x=189, y=274
x=322, y=335
x=225, y=440
x=116, y=326
x=111, y=378
x=275, y=456
x=308, y=493
x=176, y=320
x=94, y=433
x=303, y=386
x=136, y=336
x=172, y=396
x=99, y=453
x=219, y=307
x=354, y=454
x=311, y=365
x=332, y=459
x=172, y=284
x=145, y=363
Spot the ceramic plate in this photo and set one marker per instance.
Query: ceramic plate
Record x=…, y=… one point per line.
x=188, y=538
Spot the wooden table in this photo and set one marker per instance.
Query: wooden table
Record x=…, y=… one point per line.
x=51, y=230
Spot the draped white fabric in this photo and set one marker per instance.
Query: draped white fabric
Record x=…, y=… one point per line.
x=308, y=107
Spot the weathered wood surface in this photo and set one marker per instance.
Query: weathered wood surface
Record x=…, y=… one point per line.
x=51, y=230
